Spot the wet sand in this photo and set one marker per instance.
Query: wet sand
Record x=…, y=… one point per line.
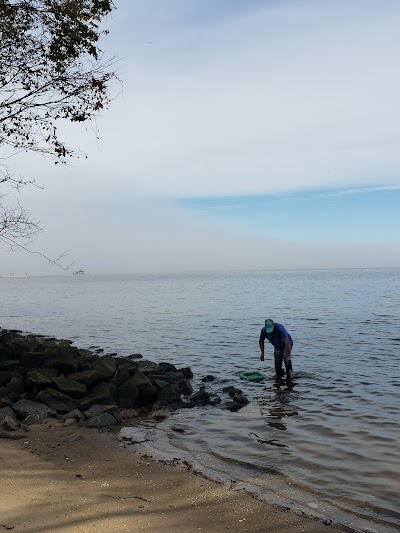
x=50, y=484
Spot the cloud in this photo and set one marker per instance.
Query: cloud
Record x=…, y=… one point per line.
x=230, y=99
x=285, y=98
x=147, y=235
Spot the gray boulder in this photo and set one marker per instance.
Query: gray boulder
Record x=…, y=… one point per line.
x=37, y=378
x=187, y=372
x=148, y=367
x=32, y=419
x=86, y=377
x=57, y=400
x=105, y=367
x=96, y=410
x=32, y=359
x=10, y=424
x=16, y=384
x=24, y=408
x=5, y=377
x=70, y=387
x=63, y=363
x=102, y=420
x=170, y=394
x=201, y=396
x=147, y=392
x=103, y=393
x=7, y=412
x=76, y=414
x=8, y=396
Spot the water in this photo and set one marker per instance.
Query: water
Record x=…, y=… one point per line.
x=328, y=446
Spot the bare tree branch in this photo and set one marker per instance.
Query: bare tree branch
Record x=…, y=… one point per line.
x=51, y=71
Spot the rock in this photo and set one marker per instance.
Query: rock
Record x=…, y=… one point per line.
x=147, y=392
x=69, y=422
x=12, y=436
x=49, y=372
x=102, y=420
x=96, y=410
x=24, y=408
x=86, y=360
x=215, y=401
x=200, y=396
x=63, y=363
x=160, y=414
x=57, y=400
x=240, y=398
x=86, y=377
x=10, y=365
x=170, y=394
x=231, y=390
x=32, y=359
x=103, y=393
x=10, y=424
x=209, y=377
x=32, y=419
x=186, y=404
x=168, y=367
x=7, y=412
x=122, y=375
x=75, y=413
x=16, y=384
x=128, y=414
x=105, y=367
x=62, y=378
x=70, y=387
x=37, y=378
x=187, y=372
x=233, y=406
x=5, y=378
x=148, y=367
x=185, y=387
x=178, y=430
x=160, y=383
x=9, y=395
x=126, y=364
x=75, y=437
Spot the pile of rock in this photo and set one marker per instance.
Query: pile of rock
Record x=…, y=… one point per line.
x=42, y=377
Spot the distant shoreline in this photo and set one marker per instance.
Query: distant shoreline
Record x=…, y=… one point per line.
x=14, y=275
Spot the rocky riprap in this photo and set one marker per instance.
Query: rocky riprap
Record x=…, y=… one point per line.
x=44, y=377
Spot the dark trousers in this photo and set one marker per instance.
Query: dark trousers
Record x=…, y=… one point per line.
x=279, y=356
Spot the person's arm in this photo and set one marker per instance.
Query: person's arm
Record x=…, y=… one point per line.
x=288, y=349
x=261, y=344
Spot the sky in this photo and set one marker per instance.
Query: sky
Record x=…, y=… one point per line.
x=243, y=135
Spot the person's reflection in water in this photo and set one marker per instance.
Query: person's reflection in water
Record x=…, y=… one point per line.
x=279, y=405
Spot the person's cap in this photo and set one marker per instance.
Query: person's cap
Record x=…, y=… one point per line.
x=269, y=325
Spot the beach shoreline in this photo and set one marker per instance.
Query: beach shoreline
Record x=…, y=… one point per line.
x=76, y=479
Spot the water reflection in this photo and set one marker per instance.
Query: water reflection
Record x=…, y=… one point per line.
x=278, y=405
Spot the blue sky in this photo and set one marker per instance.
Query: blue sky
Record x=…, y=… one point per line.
x=238, y=126
x=351, y=215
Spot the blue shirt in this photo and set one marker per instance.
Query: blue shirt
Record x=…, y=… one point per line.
x=277, y=337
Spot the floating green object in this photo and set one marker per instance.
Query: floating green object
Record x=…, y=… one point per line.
x=252, y=375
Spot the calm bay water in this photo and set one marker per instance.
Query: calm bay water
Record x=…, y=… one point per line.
x=328, y=446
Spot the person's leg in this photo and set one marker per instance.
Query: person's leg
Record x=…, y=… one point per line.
x=288, y=366
x=278, y=356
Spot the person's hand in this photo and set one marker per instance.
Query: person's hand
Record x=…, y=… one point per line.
x=262, y=357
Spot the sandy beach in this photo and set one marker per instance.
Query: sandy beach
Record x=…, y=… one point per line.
x=52, y=484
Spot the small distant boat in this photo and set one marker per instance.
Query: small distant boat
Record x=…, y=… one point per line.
x=79, y=272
